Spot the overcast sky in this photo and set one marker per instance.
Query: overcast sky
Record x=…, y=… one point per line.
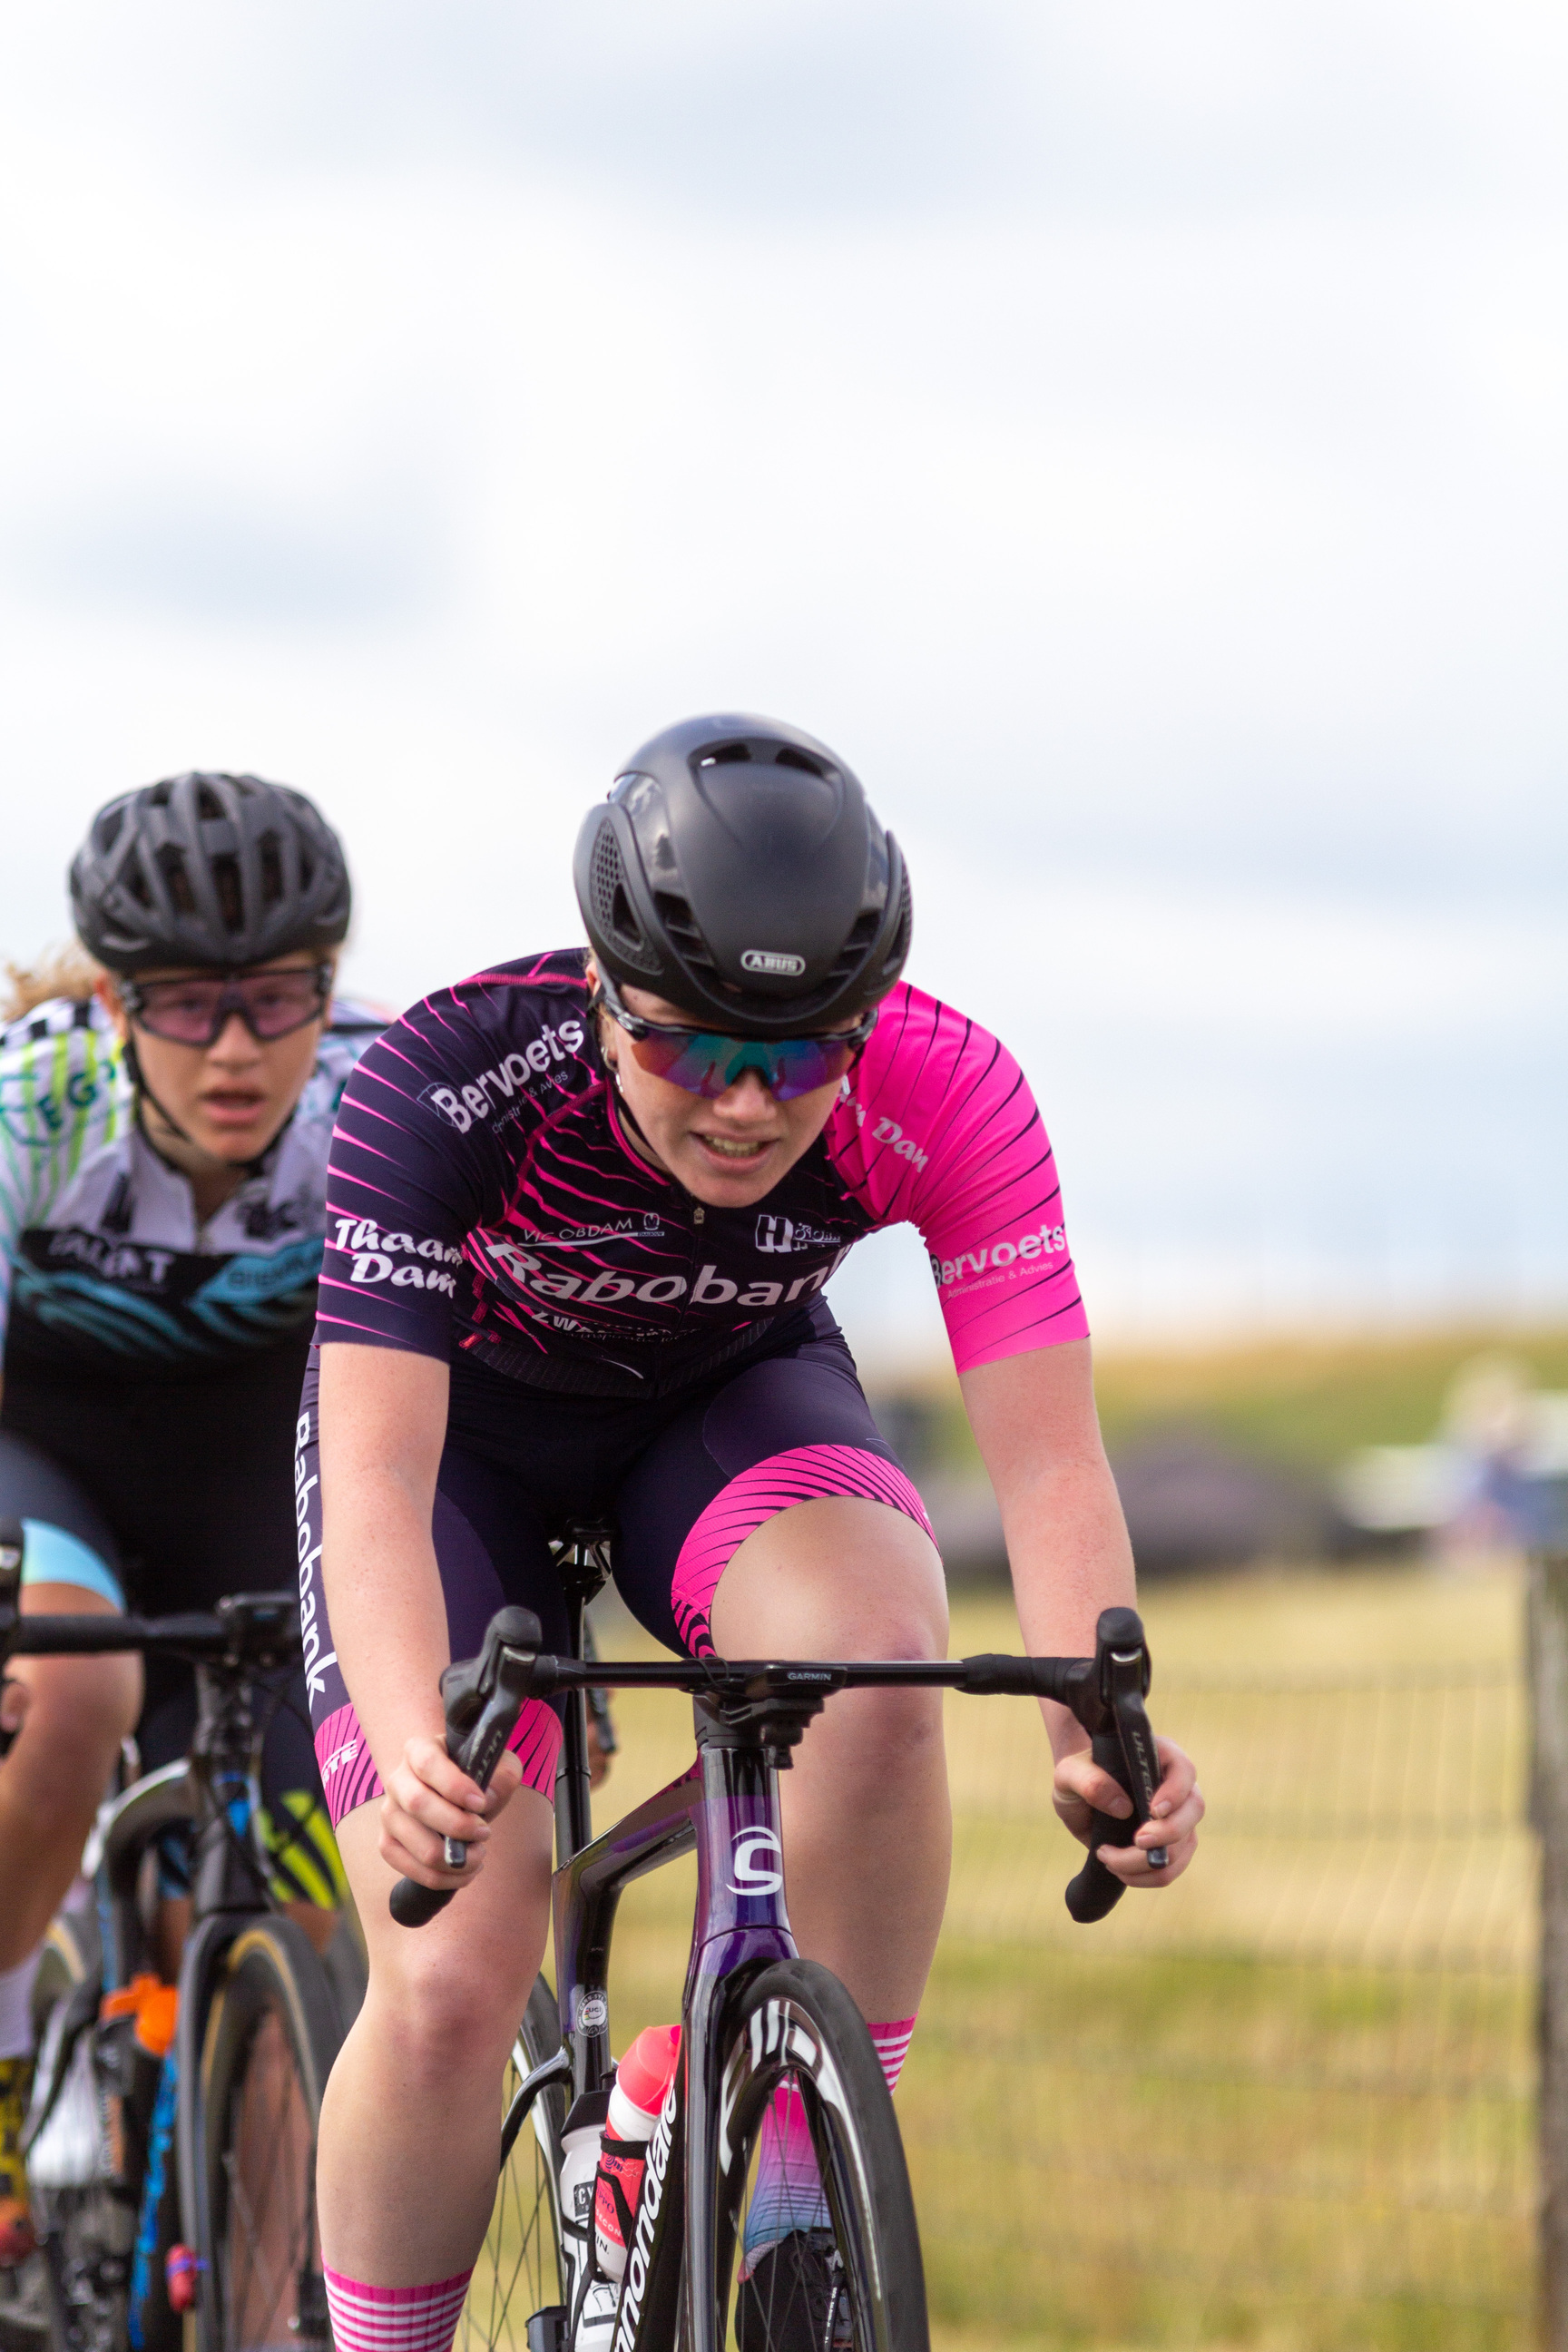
x=1131, y=432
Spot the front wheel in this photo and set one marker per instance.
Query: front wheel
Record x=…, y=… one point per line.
x=86, y=2222
x=270, y=2041
x=519, y=2270
x=856, y=2285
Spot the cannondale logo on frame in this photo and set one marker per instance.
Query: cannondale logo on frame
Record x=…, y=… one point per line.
x=756, y=1863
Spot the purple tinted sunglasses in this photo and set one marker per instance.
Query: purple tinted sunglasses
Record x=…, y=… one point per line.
x=195, y=1011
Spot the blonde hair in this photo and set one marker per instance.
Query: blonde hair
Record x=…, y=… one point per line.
x=58, y=971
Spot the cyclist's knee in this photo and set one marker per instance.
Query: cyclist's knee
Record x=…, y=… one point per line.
x=836, y=1577
x=884, y=1736
x=442, y=2020
x=78, y=1710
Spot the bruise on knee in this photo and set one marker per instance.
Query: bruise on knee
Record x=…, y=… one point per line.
x=443, y=2025
x=879, y=1733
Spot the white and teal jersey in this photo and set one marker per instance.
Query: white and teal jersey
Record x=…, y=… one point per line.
x=103, y=1265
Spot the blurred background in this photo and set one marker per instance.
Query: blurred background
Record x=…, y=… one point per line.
x=1133, y=437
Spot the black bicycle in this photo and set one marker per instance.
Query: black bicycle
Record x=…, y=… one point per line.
x=754, y=2015
x=170, y=2143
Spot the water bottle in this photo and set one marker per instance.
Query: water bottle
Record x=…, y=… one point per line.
x=590, y=2296
x=642, y=2082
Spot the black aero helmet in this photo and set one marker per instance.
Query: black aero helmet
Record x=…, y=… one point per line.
x=208, y=869
x=737, y=869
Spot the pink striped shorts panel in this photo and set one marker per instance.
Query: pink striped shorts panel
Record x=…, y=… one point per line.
x=802, y=1475
x=348, y=1768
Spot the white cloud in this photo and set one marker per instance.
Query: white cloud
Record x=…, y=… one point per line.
x=1133, y=436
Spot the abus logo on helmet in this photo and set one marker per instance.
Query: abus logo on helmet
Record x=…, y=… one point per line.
x=773, y=962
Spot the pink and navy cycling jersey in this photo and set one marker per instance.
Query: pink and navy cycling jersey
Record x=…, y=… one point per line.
x=483, y=1196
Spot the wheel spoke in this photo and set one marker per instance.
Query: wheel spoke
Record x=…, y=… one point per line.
x=851, y=2283
x=517, y=2272
x=267, y=2163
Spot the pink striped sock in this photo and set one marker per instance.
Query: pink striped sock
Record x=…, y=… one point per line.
x=787, y=2192
x=893, y=2046
x=394, y=2318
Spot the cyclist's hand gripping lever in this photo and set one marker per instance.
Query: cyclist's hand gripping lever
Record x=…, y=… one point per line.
x=1110, y=1705
x=484, y=1697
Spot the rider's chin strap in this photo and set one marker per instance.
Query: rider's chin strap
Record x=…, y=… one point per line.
x=627, y=1112
x=144, y=1093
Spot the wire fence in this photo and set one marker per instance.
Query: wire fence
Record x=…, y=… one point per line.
x=1292, y=2107
x=1287, y=2104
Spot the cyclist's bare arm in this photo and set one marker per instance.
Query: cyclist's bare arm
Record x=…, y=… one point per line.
x=384, y=1422
x=1035, y=1422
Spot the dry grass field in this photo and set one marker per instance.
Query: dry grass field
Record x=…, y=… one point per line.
x=1287, y=2104
x=1296, y=1400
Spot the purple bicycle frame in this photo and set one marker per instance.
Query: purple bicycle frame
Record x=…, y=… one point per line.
x=726, y=1806
x=749, y=1715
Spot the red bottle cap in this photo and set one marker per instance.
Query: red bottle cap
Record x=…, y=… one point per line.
x=645, y=2074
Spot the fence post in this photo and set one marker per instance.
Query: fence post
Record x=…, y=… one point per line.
x=1547, y=1648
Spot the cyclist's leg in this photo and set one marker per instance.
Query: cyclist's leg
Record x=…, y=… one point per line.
x=770, y=1519
x=201, y=1476
x=867, y=1820
x=75, y=1710
x=866, y=1817
x=411, y=2123
x=807, y=1540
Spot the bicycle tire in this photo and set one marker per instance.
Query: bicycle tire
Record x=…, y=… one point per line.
x=272, y=2034
x=794, y=2024
x=86, y=2221
x=519, y=2269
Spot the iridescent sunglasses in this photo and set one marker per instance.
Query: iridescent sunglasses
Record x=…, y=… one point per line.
x=195, y=1011
x=706, y=1065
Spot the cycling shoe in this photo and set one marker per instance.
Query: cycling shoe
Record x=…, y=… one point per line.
x=793, y=2298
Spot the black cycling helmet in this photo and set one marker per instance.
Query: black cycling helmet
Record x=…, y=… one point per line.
x=737, y=870
x=208, y=869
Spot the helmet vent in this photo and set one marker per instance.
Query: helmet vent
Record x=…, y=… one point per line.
x=681, y=925
x=613, y=906
x=271, y=869
x=230, y=897
x=207, y=803
x=855, y=950
x=724, y=755
x=898, y=953
x=786, y=756
x=176, y=881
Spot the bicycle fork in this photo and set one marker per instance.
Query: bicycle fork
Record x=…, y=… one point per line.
x=726, y=1807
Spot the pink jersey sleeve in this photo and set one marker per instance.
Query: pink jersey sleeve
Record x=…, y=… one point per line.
x=940, y=1130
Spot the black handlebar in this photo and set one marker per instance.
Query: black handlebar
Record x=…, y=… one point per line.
x=259, y=1630
x=485, y=1695
x=247, y=1633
